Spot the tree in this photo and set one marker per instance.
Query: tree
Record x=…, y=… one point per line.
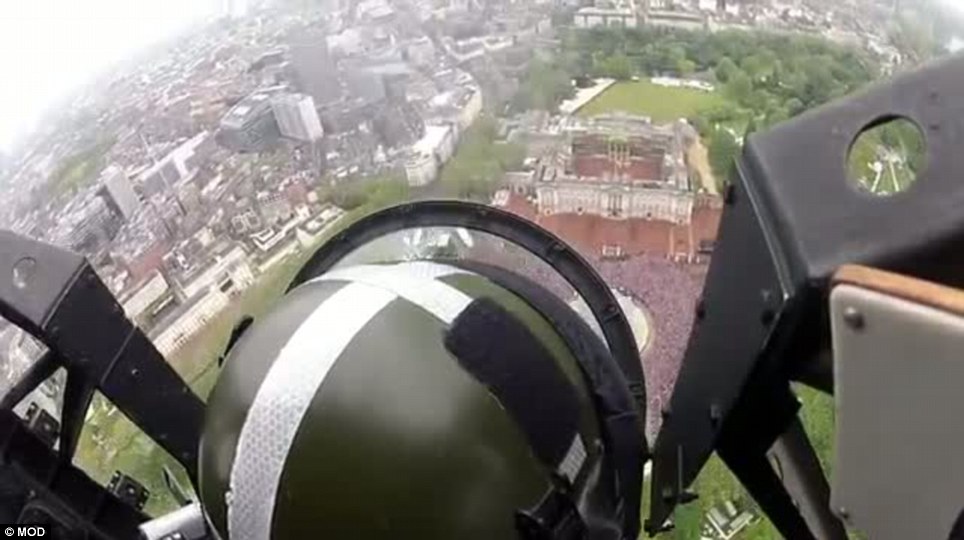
x=616, y=67
x=740, y=89
x=561, y=17
x=723, y=149
x=671, y=57
x=685, y=68
x=388, y=192
x=903, y=138
x=725, y=70
x=820, y=83
x=544, y=87
x=510, y=155
x=775, y=116
x=477, y=169
x=78, y=170
x=376, y=191
x=722, y=113
x=751, y=128
x=781, y=75
x=794, y=106
x=759, y=66
x=702, y=125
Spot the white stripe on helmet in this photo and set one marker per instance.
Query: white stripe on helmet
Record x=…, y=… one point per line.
x=303, y=363
x=414, y=281
x=421, y=269
x=283, y=399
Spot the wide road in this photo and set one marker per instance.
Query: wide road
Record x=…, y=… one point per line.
x=698, y=158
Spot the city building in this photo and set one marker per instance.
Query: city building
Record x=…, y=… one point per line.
x=145, y=296
x=140, y=255
x=297, y=117
x=618, y=185
x=429, y=154
x=367, y=85
x=277, y=242
x=470, y=107
x=421, y=169
x=314, y=71
x=185, y=320
x=274, y=57
x=375, y=11
x=460, y=105
x=87, y=226
x=178, y=165
x=345, y=116
x=677, y=19
x=246, y=222
x=620, y=167
x=421, y=52
x=439, y=140
x=347, y=43
x=118, y=192
x=287, y=246
x=141, y=243
x=398, y=124
x=620, y=14
x=224, y=267
x=726, y=521
x=274, y=207
x=188, y=197
x=250, y=126
x=313, y=230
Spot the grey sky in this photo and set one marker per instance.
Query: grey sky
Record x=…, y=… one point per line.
x=51, y=46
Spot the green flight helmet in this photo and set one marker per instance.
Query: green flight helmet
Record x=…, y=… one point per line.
x=420, y=400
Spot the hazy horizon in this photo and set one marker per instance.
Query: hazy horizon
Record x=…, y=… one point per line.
x=57, y=45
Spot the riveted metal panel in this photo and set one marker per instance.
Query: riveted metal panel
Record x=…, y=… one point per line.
x=899, y=367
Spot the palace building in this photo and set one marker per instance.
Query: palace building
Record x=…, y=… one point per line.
x=618, y=185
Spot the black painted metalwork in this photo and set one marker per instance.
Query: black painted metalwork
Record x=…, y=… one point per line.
x=741, y=302
x=58, y=494
x=800, y=471
x=791, y=219
x=55, y=296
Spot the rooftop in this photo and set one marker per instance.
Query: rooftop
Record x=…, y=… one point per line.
x=175, y=314
x=248, y=108
x=434, y=135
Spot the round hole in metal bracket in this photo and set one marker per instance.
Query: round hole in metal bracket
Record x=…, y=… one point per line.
x=887, y=156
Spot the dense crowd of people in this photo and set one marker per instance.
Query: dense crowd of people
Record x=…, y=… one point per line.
x=512, y=257
x=667, y=291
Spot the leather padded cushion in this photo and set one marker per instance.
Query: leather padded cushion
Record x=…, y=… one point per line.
x=501, y=353
x=614, y=402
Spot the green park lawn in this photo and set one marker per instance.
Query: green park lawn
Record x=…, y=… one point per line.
x=716, y=484
x=662, y=104
x=80, y=169
x=902, y=142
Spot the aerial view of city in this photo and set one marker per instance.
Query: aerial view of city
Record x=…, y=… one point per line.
x=199, y=170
